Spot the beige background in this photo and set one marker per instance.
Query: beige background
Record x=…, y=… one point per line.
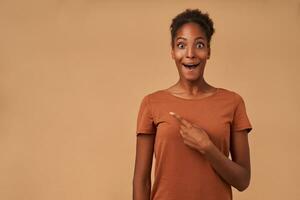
x=72, y=75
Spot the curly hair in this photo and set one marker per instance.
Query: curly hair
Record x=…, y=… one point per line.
x=195, y=16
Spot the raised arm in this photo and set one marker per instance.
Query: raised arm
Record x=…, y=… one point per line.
x=143, y=166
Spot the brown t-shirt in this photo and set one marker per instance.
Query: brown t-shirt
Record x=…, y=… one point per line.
x=182, y=173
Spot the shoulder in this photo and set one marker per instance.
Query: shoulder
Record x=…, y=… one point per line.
x=231, y=93
x=154, y=95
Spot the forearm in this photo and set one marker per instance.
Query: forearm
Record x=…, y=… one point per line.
x=233, y=173
x=141, y=190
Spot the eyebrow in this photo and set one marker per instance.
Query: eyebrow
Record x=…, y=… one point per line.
x=186, y=39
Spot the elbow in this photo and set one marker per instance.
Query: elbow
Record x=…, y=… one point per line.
x=242, y=187
x=244, y=184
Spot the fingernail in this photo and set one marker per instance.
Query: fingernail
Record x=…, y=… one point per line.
x=171, y=113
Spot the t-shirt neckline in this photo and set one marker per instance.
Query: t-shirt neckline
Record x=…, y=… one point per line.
x=177, y=97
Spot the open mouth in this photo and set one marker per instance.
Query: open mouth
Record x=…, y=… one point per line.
x=191, y=66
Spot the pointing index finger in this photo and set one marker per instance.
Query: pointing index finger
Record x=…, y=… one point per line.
x=180, y=119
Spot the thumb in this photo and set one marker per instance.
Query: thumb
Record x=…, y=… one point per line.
x=195, y=125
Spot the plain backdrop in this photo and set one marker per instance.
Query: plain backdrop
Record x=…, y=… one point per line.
x=73, y=74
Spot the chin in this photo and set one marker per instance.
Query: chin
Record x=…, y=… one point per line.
x=189, y=78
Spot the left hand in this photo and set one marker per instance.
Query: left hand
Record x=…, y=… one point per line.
x=192, y=135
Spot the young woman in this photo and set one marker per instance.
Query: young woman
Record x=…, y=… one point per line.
x=191, y=127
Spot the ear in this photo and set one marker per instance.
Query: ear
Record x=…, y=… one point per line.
x=172, y=52
x=208, y=55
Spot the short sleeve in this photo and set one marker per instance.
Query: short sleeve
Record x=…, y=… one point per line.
x=240, y=119
x=145, y=123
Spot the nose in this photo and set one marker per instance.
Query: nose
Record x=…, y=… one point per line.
x=190, y=52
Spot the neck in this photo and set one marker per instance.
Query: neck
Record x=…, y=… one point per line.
x=193, y=87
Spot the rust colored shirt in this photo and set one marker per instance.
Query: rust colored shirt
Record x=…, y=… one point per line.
x=182, y=173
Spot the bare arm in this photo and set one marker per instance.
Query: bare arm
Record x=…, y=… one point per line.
x=143, y=165
x=237, y=171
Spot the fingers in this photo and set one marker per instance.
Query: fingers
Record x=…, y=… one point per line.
x=181, y=120
x=181, y=132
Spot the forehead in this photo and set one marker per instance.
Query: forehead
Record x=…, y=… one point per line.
x=190, y=30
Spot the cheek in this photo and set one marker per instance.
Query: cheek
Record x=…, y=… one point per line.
x=203, y=54
x=178, y=55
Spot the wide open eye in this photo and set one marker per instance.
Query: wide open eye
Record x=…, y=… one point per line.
x=200, y=45
x=180, y=45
